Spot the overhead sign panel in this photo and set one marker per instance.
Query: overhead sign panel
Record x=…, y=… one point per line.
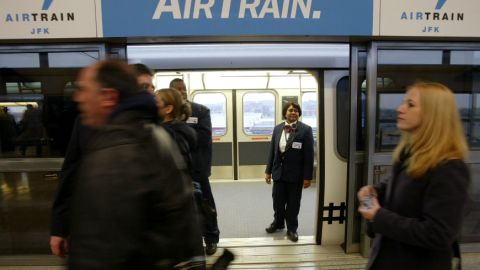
x=236, y=17
x=443, y=18
x=30, y=19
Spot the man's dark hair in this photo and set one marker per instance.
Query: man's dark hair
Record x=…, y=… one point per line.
x=295, y=105
x=118, y=75
x=175, y=81
x=141, y=69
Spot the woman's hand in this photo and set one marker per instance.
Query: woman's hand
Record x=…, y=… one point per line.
x=368, y=193
x=370, y=212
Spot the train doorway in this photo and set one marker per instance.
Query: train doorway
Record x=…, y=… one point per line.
x=327, y=64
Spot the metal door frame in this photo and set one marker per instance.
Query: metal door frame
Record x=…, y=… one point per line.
x=355, y=157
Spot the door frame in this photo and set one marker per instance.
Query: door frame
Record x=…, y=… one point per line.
x=356, y=157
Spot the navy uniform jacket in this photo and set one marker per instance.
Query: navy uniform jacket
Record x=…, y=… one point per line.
x=202, y=157
x=419, y=219
x=297, y=162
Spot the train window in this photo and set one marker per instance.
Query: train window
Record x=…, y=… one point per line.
x=217, y=103
x=258, y=113
x=72, y=59
x=35, y=122
x=342, y=99
x=36, y=88
x=464, y=57
x=23, y=88
x=309, y=111
x=19, y=60
x=410, y=57
x=464, y=104
x=388, y=135
x=393, y=80
x=475, y=126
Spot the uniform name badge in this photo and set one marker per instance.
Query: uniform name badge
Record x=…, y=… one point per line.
x=192, y=120
x=297, y=145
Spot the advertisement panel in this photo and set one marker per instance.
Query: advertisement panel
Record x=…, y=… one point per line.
x=442, y=18
x=30, y=19
x=122, y=18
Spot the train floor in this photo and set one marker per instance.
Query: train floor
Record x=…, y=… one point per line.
x=244, y=210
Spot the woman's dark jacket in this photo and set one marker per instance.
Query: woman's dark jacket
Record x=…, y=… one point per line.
x=186, y=139
x=132, y=206
x=420, y=218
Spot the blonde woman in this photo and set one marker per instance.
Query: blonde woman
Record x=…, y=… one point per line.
x=416, y=216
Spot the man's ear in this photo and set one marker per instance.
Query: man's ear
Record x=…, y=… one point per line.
x=110, y=97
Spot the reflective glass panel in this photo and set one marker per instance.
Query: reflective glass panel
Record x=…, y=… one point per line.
x=25, y=209
x=387, y=133
x=72, y=59
x=409, y=57
x=394, y=77
x=471, y=222
x=19, y=60
x=36, y=116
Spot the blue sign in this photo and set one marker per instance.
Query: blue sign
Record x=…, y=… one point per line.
x=134, y=18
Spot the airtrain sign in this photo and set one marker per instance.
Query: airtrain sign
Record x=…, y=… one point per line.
x=21, y=19
x=236, y=17
x=255, y=10
x=442, y=18
x=32, y=19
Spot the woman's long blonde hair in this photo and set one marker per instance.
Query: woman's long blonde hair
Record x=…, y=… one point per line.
x=440, y=136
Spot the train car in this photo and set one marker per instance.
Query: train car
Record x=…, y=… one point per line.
x=242, y=59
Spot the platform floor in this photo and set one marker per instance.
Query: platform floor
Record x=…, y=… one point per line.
x=251, y=253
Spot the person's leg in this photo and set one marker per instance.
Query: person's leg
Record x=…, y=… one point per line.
x=279, y=200
x=211, y=232
x=293, y=205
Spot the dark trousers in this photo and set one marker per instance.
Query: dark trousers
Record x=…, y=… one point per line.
x=286, y=203
x=211, y=233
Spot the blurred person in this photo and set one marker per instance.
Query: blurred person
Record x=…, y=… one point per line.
x=60, y=223
x=144, y=77
x=290, y=165
x=201, y=163
x=127, y=211
x=31, y=130
x=173, y=112
x=80, y=135
x=7, y=130
x=415, y=217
